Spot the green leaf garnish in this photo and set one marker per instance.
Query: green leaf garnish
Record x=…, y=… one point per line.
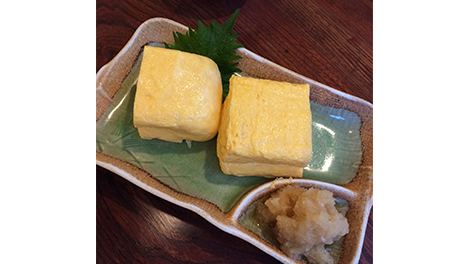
x=214, y=41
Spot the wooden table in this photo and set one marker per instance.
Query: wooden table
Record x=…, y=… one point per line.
x=328, y=41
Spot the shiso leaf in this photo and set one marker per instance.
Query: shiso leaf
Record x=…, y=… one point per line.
x=217, y=42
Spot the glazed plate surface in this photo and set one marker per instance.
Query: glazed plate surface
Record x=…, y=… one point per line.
x=190, y=176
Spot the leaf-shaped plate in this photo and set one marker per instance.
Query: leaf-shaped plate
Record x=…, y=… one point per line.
x=191, y=178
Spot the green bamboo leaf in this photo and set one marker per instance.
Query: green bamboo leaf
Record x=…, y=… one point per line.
x=217, y=42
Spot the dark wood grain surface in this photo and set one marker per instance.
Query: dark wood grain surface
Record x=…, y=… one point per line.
x=328, y=41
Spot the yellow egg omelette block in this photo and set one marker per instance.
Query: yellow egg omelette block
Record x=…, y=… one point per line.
x=265, y=128
x=178, y=96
